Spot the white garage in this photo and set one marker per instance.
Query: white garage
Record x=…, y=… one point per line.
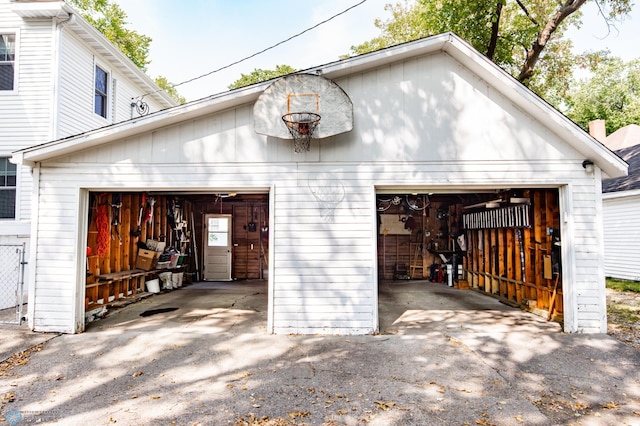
x=424, y=154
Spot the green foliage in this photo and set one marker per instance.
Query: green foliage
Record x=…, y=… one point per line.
x=612, y=93
x=111, y=21
x=258, y=75
x=525, y=38
x=163, y=83
x=623, y=285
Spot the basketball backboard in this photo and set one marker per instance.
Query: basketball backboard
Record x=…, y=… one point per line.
x=303, y=93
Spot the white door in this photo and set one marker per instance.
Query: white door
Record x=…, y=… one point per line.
x=217, y=249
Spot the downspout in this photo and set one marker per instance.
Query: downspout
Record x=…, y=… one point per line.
x=55, y=74
x=33, y=244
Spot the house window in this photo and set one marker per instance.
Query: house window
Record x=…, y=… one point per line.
x=7, y=189
x=7, y=61
x=100, y=106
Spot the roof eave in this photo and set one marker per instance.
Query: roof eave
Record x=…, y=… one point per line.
x=606, y=160
x=135, y=126
x=94, y=38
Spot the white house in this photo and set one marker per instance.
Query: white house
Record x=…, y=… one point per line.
x=621, y=203
x=447, y=155
x=58, y=77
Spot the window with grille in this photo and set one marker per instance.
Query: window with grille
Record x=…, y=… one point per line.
x=7, y=189
x=7, y=61
x=101, y=99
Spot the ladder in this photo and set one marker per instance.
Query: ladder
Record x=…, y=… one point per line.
x=416, y=262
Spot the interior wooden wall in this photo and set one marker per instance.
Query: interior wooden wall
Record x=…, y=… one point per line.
x=497, y=268
x=492, y=262
x=122, y=251
x=250, y=248
x=410, y=251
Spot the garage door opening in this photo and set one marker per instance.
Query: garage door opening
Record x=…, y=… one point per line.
x=147, y=242
x=503, y=243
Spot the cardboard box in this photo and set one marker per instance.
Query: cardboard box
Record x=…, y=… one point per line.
x=147, y=259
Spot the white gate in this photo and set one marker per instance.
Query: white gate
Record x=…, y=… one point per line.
x=12, y=265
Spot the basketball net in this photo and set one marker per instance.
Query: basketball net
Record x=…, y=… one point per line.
x=301, y=125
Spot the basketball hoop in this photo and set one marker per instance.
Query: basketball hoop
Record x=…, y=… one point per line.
x=301, y=125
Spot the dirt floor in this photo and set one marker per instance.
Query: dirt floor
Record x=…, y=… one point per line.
x=623, y=314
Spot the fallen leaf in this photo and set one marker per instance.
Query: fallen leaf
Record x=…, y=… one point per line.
x=611, y=405
x=137, y=374
x=155, y=396
x=295, y=414
x=519, y=418
x=134, y=396
x=342, y=411
x=384, y=405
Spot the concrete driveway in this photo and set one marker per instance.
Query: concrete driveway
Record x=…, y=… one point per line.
x=444, y=356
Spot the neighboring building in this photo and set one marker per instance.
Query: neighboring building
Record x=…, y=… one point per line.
x=621, y=207
x=58, y=77
x=432, y=117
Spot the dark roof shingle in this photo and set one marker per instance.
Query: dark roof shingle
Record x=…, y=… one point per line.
x=632, y=181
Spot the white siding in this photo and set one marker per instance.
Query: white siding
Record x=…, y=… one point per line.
x=25, y=114
x=622, y=236
x=426, y=123
x=76, y=110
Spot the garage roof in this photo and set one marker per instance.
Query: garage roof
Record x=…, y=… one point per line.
x=447, y=43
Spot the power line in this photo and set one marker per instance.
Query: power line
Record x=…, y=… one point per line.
x=266, y=49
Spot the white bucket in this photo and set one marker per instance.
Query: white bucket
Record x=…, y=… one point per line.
x=153, y=286
x=176, y=279
x=165, y=277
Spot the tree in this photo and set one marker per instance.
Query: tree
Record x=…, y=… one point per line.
x=611, y=94
x=523, y=37
x=163, y=83
x=258, y=75
x=111, y=21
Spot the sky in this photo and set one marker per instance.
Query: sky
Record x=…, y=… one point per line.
x=196, y=37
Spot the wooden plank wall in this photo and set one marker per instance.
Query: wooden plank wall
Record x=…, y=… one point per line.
x=250, y=248
x=509, y=262
x=411, y=250
x=122, y=244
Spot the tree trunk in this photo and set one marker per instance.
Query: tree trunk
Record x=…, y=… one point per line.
x=494, y=31
x=533, y=54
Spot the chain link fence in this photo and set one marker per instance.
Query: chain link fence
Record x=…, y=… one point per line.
x=12, y=265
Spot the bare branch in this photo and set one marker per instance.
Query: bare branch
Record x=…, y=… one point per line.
x=538, y=45
x=526, y=12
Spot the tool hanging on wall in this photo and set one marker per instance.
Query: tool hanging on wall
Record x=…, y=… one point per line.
x=521, y=243
x=195, y=246
x=102, y=225
x=138, y=230
x=149, y=213
x=553, y=298
x=116, y=204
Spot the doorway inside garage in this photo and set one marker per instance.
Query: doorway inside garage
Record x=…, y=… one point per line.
x=502, y=243
x=147, y=242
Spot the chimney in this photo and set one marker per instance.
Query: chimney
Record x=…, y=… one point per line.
x=598, y=130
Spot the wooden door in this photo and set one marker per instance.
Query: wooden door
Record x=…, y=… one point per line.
x=217, y=248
